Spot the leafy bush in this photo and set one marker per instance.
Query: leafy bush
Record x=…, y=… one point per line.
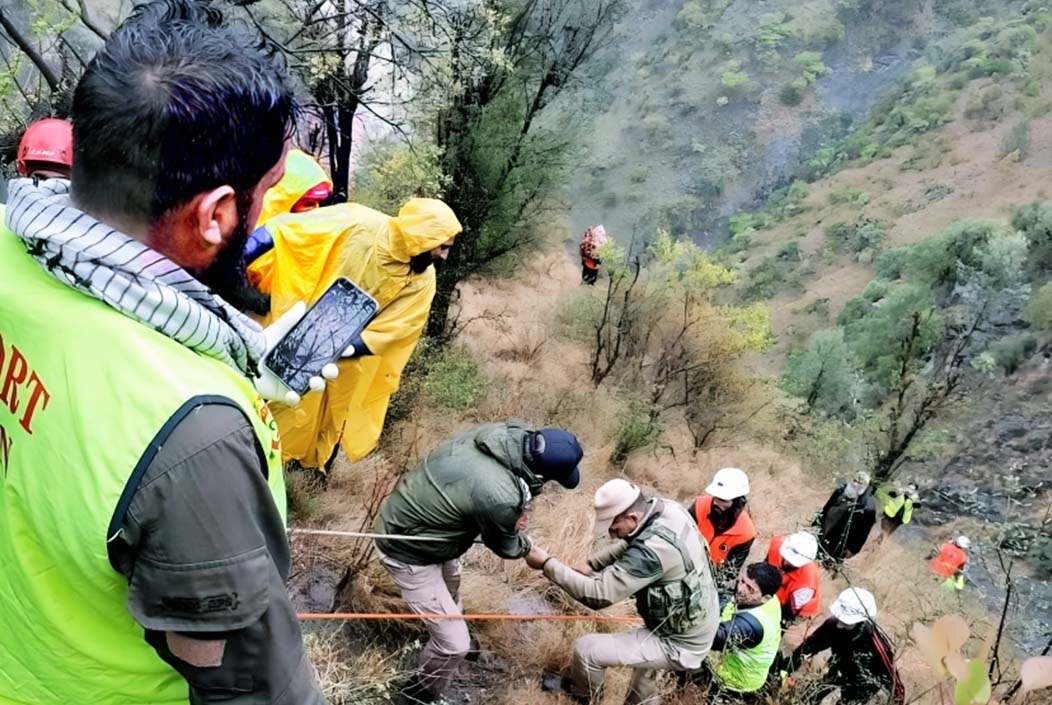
x=1040, y=309
x=772, y=34
x=934, y=262
x=862, y=239
x=733, y=77
x=790, y=95
x=454, y=380
x=638, y=428
x=849, y=195
x=1011, y=352
x=1016, y=140
x=811, y=66
x=392, y=173
x=988, y=105
x=823, y=375
x=1034, y=220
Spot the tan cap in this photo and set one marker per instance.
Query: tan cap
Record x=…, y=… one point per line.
x=611, y=500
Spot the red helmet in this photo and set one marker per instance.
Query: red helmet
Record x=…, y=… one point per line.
x=313, y=198
x=47, y=143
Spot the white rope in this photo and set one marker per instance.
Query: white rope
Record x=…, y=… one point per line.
x=365, y=535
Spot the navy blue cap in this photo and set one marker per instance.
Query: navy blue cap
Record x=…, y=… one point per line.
x=555, y=454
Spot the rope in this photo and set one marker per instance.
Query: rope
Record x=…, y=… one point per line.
x=348, y=616
x=365, y=535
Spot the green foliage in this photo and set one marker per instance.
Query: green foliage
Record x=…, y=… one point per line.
x=1011, y=352
x=879, y=328
x=393, y=172
x=733, y=77
x=989, y=105
x=1034, y=220
x=1040, y=309
x=824, y=375
x=849, y=195
x=822, y=31
x=862, y=240
x=933, y=262
x=454, y=380
x=691, y=17
x=811, y=66
x=638, y=428
x=791, y=95
x=771, y=34
x=1016, y=140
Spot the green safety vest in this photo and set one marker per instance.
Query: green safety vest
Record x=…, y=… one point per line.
x=894, y=504
x=86, y=396
x=745, y=670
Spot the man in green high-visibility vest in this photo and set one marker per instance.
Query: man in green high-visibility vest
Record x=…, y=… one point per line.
x=750, y=631
x=143, y=553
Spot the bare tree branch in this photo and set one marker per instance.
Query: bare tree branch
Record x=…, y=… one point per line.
x=45, y=69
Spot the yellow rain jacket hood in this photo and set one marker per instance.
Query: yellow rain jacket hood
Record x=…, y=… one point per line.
x=302, y=173
x=372, y=249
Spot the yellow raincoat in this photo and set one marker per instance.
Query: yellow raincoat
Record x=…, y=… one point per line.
x=302, y=173
x=372, y=249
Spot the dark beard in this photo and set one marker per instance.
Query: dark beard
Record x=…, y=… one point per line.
x=227, y=277
x=419, y=263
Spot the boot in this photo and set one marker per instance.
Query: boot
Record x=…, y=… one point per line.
x=562, y=685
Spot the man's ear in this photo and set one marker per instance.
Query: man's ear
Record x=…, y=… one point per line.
x=215, y=215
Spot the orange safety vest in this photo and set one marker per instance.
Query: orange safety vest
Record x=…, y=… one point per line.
x=741, y=532
x=950, y=560
x=792, y=580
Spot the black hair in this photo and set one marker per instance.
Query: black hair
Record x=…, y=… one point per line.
x=767, y=577
x=174, y=104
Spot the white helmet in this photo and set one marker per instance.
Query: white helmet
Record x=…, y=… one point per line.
x=854, y=605
x=799, y=549
x=728, y=483
x=963, y=542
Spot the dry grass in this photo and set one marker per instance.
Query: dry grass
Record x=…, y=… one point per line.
x=543, y=378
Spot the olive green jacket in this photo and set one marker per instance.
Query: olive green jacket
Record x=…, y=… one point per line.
x=475, y=484
x=627, y=567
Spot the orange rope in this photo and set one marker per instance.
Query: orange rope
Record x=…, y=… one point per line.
x=311, y=616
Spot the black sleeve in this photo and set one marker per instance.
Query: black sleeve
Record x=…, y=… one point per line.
x=732, y=565
x=833, y=498
x=742, y=632
x=204, y=550
x=818, y=641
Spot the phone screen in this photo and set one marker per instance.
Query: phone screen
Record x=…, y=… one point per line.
x=331, y=324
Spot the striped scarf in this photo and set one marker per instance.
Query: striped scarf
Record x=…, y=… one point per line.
x=139, y=282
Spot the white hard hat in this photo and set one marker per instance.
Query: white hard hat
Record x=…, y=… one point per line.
x=728, y=483
x=854, y=605
x=964, y=542
x=799, y=549
x=613, y=498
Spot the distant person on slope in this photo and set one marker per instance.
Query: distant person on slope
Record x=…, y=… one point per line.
x=594, y=238
x=723, y=519
x=304, y=187
x=861, y=660
x=46, y=150
x=898, y=509
x=658, y=558
x=750, y=632
x=393, y=259
x=794, y=555
x=477, y=483
x=846, y=519
x=950, y=561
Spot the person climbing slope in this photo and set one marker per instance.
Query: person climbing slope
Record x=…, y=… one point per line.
x=594, y=238
x=393, y=259
x=723, y=519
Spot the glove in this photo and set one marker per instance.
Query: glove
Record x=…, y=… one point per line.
x=267, y=384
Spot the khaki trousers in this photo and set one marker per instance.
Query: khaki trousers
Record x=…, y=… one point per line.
x=435, y=589
x=640, y=650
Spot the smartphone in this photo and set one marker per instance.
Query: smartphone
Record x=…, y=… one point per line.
x=332, y=323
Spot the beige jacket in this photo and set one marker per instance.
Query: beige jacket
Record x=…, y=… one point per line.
x=627, y=567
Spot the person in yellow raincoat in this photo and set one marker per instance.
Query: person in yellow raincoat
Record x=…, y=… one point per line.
x=391, y=258
x=304, y=187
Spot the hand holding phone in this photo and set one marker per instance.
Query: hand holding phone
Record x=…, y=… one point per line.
x=304, y=348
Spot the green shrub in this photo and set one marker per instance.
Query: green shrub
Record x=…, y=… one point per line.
x=772, y=34
x=1034, y=220
x=790, y=95
x=849, y=195
x=638, y=428
x=1016, y=140
x=789, y=252
x=454, y=380
x=823, y=375
x=392, y=173
x=1040, y=309
x=639, y=174
x=958, y=82
x=1011, y=352
x=811, y=66
x=733, y=77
